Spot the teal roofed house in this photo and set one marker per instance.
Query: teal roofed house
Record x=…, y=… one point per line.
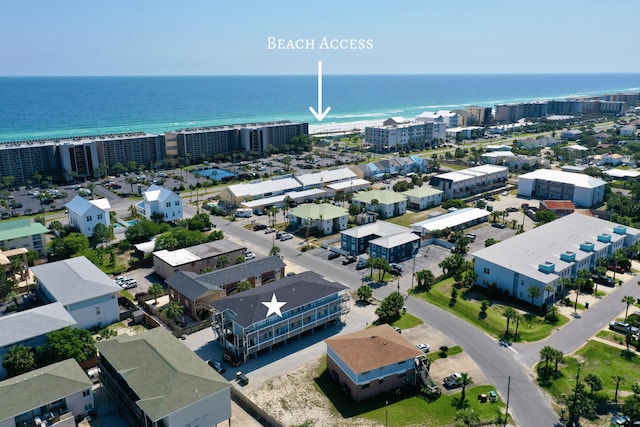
x=324, y=217
x=22, y=233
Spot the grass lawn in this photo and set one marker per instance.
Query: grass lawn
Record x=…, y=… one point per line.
x=600, y=359
x=532, y=328
x=435, y=355
x=408, y=409
x=407, y=321
x=408, y=218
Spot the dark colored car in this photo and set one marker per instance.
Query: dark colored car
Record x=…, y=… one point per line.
x=258, y=227
x=231, y=359
x=497, y=225
x=219, y=367
x=349, y=260
x=333, y=255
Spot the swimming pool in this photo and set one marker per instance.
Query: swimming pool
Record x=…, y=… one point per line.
x=214, y=173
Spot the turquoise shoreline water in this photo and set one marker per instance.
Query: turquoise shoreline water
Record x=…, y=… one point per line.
x=52, y=107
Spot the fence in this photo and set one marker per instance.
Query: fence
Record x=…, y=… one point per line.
x=252, y=408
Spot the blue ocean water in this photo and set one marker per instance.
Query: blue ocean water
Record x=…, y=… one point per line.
x=48, y=107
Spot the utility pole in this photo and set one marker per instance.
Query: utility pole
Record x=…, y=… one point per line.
x=506, y=412
x=413, y=270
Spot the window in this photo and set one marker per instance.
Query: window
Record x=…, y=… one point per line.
x=86, y=393
x=89, y=218
x=177, y=203
x=88, y=407
x=486, y=271
x=168, y=204
x=97, y=310
x=100, y=216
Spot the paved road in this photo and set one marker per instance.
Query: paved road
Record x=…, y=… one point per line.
x=527, y=403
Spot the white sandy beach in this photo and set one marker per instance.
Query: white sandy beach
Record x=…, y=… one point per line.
x=347, y=127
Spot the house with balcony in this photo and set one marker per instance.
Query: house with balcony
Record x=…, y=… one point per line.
x=546, y=255
x=197, y=258
x=89, y=295
x=372, y=361
x=471, y=181
x=386, y=203
x=583, y=190
x=22, y=233
x=196, y=292
x=56, y=394
x=30, y=328
x=160, y=202
x=421, y=198
x=324, y=217
x=157, y=381
x=395, y=248
x=356, y=240
x=258, y=319
x=86, y=214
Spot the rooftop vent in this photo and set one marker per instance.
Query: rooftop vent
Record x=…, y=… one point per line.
x=604, y=238
x=587, y=246
x=547, y=267
x=620, y=229
x=568, y=256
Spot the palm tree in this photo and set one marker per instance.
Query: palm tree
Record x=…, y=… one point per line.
x=558, y=356
x=629, y=300
x=467, y=417
x=174, y=310
x=583, y=276
x=464, y=380
x=131, y=180
x=518, y=317
x=155, y=290
x=546, y=354
x=533, y=292
x=509, y=313
x=618, y=255
x=618, y=379
x=594, y=382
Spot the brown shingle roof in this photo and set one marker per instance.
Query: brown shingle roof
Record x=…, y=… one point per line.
x=372, y=348
x=559, y=204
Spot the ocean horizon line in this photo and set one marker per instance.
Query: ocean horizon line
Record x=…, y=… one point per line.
x=325, y=74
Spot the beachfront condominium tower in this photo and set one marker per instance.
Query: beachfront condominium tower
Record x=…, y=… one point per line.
x=205, y=143
x=398, y=134
x=481, y=115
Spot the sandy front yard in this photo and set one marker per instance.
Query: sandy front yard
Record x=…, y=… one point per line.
x=294, y=400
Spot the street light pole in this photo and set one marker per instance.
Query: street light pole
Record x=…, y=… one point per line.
x=413, y=271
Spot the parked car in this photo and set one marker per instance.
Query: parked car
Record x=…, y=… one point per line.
x=348, y=260
x=129, y=284
x=452, y=380
x=258, y=212
x=602, y=279
x=231, y=359
x=396, y=268
x=623, y=327
x=219, y=367
x=512, y=209
x=286, y=236
x=258, y=227
x=471, y=236
x=269, y=230
x=398, y=330
x=423, y=347
x=505, y=193
x=497, y=225
x=249, y=255
x=617, y=268
x=333, y=255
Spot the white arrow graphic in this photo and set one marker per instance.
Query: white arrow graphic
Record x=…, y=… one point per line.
x=319, y=114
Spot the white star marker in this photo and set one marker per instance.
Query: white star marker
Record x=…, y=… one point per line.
x=273, y=306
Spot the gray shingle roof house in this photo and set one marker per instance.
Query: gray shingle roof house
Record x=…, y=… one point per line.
x=197, y=292
x=89, y=295
x=30, y=327
x=61, y=389
x=254, y=320
x=158, y=381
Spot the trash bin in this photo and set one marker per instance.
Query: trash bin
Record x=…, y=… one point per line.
x=586, y=305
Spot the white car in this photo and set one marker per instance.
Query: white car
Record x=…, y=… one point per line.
x=423, y=347
x=286, y=236
x=249, y=255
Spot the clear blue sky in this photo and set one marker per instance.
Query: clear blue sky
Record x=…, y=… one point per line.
x=215, y=37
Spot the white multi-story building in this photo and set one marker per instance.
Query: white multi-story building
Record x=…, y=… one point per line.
x=545, y=255
x=467, y=182
x=583, y=190
x=89, y=295
x=394, y=135
x=162, y=201
x=86, y=214
x=449, y=118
